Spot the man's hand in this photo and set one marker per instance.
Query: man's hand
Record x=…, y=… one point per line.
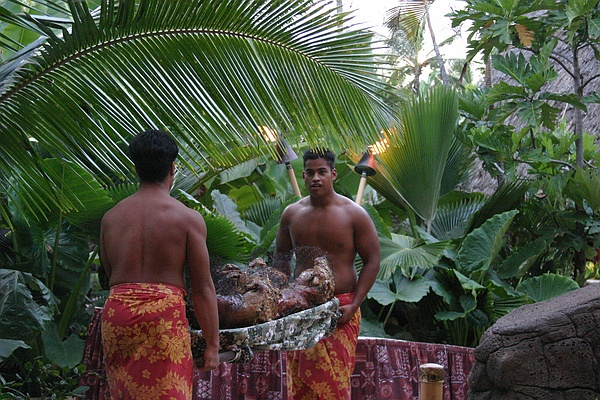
x=347, y=312
x=210, y=360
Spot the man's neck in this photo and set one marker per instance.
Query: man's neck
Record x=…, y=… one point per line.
x=323, y=201
x=155, y=187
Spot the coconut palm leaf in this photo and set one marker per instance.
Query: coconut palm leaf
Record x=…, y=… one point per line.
x=209, y=72
x=225, y=242
x=260, y=212
x=408, y=17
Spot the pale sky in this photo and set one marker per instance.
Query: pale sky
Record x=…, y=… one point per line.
x=372, y=13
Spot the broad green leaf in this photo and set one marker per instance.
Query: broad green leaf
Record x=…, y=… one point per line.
x=449, y=315
x=547, y=286
x=67, y=353
x=520, y=260
x=466, y=283
x=480, y=248
x=21, y=317
x=241, y=170
x=584, y=187
x=468, y=302
x=515, y=66
x=227, y=208
x=370, y=328
x=380, y=225
x=8, y=346
x=403, y=252
x=409, y=291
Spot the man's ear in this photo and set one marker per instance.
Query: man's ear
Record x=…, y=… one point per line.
x=172, y=171
x=333, y=173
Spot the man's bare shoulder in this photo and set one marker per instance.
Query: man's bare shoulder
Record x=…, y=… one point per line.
x=298, y=205
x=121, y=207
x=352, y=208
x=343, y=201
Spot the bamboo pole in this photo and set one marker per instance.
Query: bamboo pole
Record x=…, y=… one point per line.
x=431, y=381
x=361, y=188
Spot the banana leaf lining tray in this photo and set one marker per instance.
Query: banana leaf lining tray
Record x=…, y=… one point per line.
x=297, y=331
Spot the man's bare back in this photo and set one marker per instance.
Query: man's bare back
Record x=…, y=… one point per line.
x=146, y=236
x=151, y=237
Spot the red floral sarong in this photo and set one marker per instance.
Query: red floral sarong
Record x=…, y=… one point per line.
x=146, y=342
x=323, y=371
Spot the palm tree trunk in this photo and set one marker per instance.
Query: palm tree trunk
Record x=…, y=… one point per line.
x=580, y=257
x=436, y=49
x=578, y=113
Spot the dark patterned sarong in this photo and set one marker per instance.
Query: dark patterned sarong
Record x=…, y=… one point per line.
x=146, y=342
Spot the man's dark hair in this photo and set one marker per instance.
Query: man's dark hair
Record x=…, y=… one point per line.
x=314, y=154
x=153, y=153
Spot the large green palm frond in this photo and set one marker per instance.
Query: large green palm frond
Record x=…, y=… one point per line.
x=209, y=72
x=412, y=167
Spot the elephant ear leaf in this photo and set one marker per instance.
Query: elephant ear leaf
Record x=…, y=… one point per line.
x=8, y=346
x=519, y=262
x=481, y=246
x=21, y=317
x=64, y=353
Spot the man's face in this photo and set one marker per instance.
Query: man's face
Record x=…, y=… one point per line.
x=318, y=176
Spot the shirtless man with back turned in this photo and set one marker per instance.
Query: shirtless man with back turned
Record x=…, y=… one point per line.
x=147, y=240
x=326, y=223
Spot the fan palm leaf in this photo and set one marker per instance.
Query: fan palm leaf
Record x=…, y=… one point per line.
x=211, y=73
x=404, y=252
x=413, y=165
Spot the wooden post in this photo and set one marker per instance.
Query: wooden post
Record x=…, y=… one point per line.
x=431, y=382
x=361, y=188
x=293, y=180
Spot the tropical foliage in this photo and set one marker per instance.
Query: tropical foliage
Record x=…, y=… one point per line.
x=79, y=79
x=451, y=272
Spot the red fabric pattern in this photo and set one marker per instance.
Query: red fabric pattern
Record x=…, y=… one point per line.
x=323, y=371
x=384, y=369
x=146, y=342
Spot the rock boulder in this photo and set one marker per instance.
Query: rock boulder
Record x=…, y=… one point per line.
x=548, y=350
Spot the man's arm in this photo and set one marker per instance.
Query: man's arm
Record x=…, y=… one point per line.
x=204, y=296
x=367, y=247
x=282, y=258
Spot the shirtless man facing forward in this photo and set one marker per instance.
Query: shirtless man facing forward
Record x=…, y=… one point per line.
x=147, y=240
x=340, y=229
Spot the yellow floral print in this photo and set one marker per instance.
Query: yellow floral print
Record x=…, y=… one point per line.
x=146, y=341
